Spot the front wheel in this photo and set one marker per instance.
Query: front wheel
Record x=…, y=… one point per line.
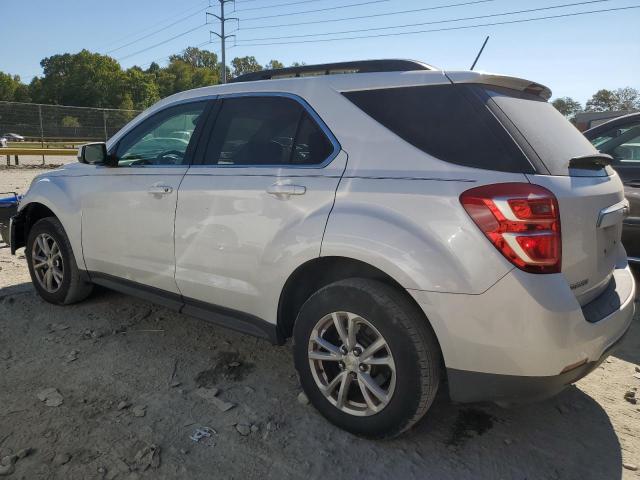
x=52, y=266
x=367, y=358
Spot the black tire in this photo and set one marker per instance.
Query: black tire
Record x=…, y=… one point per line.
x=4, y=233
x=73, y=288
x=410, y=339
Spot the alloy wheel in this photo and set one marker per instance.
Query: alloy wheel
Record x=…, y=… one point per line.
x=352, y=364
x=47, y=263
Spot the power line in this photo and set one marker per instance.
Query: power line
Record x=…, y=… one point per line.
x=163, y=42
x=477, y=17
x=316, y=10
x=278, y=5
x=137, y=32
x=374, y=15
x=157, y=31
x=415, y=32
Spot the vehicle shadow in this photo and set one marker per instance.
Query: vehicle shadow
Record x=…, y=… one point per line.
x=129, y=349
x=569, y=436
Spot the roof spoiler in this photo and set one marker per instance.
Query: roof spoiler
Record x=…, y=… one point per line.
x=514, y=83
x=596, y=161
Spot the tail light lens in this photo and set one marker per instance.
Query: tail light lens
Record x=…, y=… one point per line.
x=521, y=220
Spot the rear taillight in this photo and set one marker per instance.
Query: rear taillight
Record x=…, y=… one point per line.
x=521, y=220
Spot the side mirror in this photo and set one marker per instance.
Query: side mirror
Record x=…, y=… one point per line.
x=93, y=153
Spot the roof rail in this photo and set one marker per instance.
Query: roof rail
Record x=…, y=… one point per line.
x=361, y=66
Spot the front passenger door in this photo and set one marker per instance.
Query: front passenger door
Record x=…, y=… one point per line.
x=128, y=211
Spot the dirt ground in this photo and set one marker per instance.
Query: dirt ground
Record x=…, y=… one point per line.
x=133, y=382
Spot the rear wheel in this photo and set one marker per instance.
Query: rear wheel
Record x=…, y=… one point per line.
x=367, y=358
x=52, y=266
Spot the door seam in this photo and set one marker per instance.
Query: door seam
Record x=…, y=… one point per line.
x=333, y=204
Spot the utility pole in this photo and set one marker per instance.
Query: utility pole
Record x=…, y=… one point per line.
x=223, y=37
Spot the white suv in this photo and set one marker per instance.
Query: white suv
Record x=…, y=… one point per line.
x=405, y=225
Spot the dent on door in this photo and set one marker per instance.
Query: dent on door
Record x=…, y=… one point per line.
x=240, y=232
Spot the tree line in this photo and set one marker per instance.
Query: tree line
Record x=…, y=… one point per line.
x=622, y=99
x=87, y=79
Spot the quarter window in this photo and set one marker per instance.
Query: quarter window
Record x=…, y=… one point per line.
x=446, y=122
x=265, y=131
x=162, y=139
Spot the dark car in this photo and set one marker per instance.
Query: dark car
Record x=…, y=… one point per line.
x=620, y=138
x=8, y=208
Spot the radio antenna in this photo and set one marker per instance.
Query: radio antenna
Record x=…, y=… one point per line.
x=480, y=52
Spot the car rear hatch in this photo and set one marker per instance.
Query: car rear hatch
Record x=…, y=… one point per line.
x=589, y=193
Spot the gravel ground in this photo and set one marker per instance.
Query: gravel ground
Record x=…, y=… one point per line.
x=115, y=387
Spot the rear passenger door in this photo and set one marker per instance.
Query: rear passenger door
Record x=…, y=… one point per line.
x=255, y=203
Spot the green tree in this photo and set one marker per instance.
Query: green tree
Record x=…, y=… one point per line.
x=83, y=79
x=69, y=121
x=142, y=88
x=153, y=69
x=22, y=93
x=567, y=106
x=180, y=75
x=273, y=65
x=242, y=65
x=602, y=101
x=198, y=58
x=12, y=89
x=628, y=98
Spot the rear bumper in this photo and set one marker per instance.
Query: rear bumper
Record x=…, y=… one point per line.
x=466, y=386
x=518, y=340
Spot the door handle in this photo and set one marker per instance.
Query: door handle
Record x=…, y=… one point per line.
x=283, y=190
x=160, y=189
x=632, y=183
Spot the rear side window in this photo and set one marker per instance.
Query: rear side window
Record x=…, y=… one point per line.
x=553, y=138
x=447, y=122
x=266, y=130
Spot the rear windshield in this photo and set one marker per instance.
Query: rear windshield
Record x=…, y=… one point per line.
x=449, y=122
x=553, y=138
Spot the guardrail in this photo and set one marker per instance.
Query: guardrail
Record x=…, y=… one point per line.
x=39, y=151
x=16, y=152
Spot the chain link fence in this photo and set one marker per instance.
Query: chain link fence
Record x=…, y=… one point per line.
x=59, y=123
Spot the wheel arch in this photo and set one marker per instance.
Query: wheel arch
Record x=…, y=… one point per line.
x=314, y=274
x=26, y=218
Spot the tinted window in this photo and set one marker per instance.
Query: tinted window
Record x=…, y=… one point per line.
x=161, y=139
x=265, y=131
x=445, y=121
x=311, y=145
x=553, y=138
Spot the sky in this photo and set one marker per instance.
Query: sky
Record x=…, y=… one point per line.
x=573, y=55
